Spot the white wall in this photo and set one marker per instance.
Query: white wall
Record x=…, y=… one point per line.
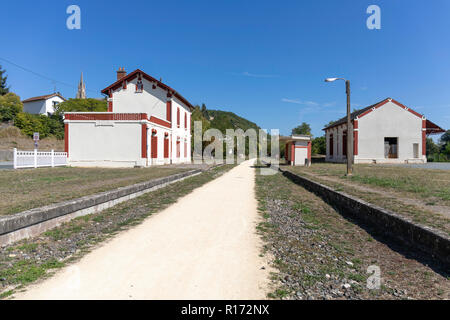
x=389, y=120
x=182, y=132
x=111, y=143
x=150, y=101
x=34, y=107
x=49, y=104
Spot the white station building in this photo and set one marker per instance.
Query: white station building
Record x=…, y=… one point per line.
x=147, y=123
x=386, y=132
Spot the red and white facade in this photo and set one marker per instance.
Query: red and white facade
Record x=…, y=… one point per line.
x=147, y=123
x=386, y=132
x=298, y=150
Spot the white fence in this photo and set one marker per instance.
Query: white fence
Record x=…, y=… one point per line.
x=35, y=159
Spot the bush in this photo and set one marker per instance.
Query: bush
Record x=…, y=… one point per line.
x=81, y=105
x=30, y=123
x=10, y=106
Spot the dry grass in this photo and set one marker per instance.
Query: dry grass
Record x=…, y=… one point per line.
x=421, y=195
x=30, y=188
x=11, y=137
x=322, y=242
x=430, y=185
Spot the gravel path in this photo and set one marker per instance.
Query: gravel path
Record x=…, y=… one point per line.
x=202, y=247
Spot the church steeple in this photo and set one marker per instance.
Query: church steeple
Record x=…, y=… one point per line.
x=81, y=93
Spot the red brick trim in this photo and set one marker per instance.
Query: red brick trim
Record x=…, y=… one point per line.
x=160, y=122
x=309, y=150
x=135, y=73
x=424, y=137
x=66, y=138
x=355, y=137
x=293, y=153
x=144, y=141
x=106, y=116
x=382, y=103
x=110, y=104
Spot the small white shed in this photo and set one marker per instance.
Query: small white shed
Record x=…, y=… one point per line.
x=298, y=150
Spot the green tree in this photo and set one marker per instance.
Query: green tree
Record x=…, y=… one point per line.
x=81, y=105
x=46, y=126
x=10, y=106
x=3, y=88
x=304, y=128
x=432, y=148
x=445, y=138
x=30, y=123
x=318, y=145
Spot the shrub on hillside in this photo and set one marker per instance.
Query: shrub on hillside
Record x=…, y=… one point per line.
x=30, y=123
x=81, y=105
x=10, y=106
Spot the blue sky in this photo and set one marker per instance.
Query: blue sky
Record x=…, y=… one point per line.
x=264, y=60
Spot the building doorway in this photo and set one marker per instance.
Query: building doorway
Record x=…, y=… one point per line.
x=154, y=145
x=391, y=148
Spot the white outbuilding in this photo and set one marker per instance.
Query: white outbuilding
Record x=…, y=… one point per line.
x=385, y=132
x=43, y=104
x=298, y=149
x=147, y=123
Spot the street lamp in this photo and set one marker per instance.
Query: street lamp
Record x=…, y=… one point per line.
x=349, y=135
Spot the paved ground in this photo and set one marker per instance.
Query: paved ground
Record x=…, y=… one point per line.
x=204, y=246
x=429, y=165
x=6, y=165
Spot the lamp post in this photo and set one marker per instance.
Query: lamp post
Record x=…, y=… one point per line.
x=349, y=134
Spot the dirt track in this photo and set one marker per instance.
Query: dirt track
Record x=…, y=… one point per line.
x=204, y=246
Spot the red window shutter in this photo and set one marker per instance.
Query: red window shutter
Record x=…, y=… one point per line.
x=169, y=110
x=154, y=146
x=166, y=147
x=178, y=117
x=185, y=120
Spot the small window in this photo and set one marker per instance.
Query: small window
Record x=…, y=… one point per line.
x=416, y=150
x=139, y=86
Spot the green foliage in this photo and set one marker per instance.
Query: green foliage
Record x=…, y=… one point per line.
x=223, y=120
x=432, y=148
x=304, y=128
x=81, y=105
x=439, y=152
x=10, y=106
x=3, y=88
x=30, y=123
x=445, y=138
x=220, y=120
x=318, y=145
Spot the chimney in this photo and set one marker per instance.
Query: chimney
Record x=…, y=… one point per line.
x=121, y=73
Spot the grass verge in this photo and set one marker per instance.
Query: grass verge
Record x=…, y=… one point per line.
x=319, y=254
x=31, y=188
